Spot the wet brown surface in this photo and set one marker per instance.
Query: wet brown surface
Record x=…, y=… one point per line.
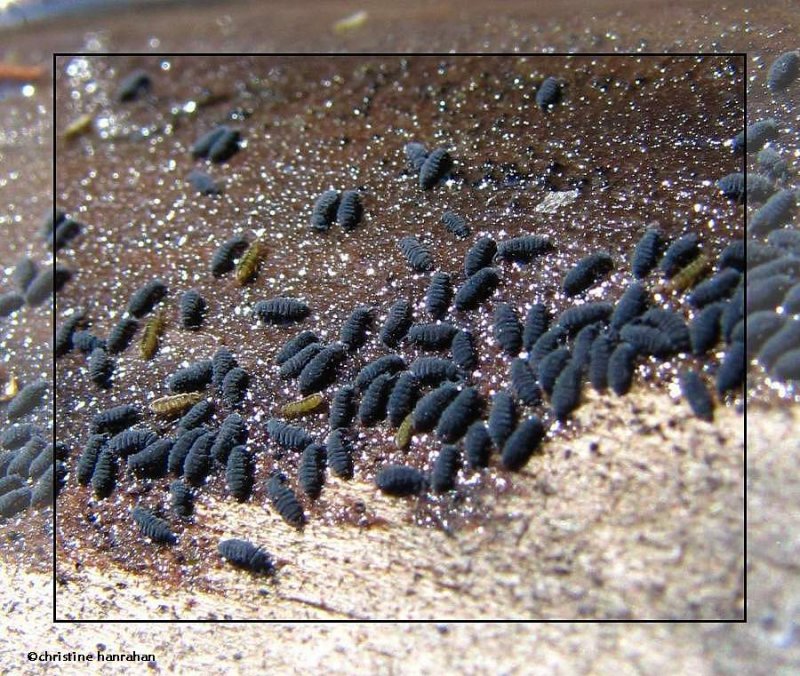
x=637, y=137
x=766, y=645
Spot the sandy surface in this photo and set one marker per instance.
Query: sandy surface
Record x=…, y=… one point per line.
x=766, y=645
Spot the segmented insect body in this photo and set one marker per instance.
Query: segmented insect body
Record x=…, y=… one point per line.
x=234, y=386
x=480, y=255
x=152, y=461
x=679, y=254
x=770, y=162
x=647, y=252
x=180, y=449
x=477, y=446
x=64, y=341
x=193, y=309
x=87, y=342
x=787, y=367
x=321, y=370
x=197, y=415
x=621, y=367
x=132, y=441
x=417, y=255
x=10, y=302
x=150, y=336
x=522, y=444
x=373, y=404
x=173, y=405
x=731, y=373
x=759, y=188
x=301, y=407
x=25, y=456
x=523, y=383
x=775, y=213
x=181, y=499
x=400, y=480
x=524, y=249
x=648, y=340
x=281, y=310
x=760, y=327
x=734, y=255
x=324, y=212
x=115, y=419
x=232, y=432
x=197, y=464
x=350, y=210
x=704, y=329
x=133, y=86
x=434, y=370
x=243, y=554
x=14, y=502
x=691, y=274
x=459, y=415
x=354, y=330
x=48, y=281
x=146, y=297
x=439, y=295
x=476, y=289
x=755, y=136
x=416, y=154
x=225, y=145
x=340, y=454
x=502, y=418
x=27, y=399
x=732, y=186
x=551, y=367
x=153, y=527
x=403, y=397
x=537, y=321
x=445, y=469
x=239, y=473
x=398, y=321
x=697, y=395
x=44, y=492
x=549, y=93
x=390, y=363
x=285, y=502
x=121, y=335
x=41, y=462
x=587, y=272
x=575, y=318
x=431, y=336
x=88, y=459
x=10, y=483
x=633, y=302
x=582, y=345
x=546, y=343
x=288, y=436
x=720, y=286
x=65, y=232
x=191, y=378
x=293, y=366
x=507, y=329
x=221, y=364
x=732, y=313
x=429, y=409
x=566, y=392
x=437, y=165
x=24, y=273
x=222, y=261
x=782, y=341
x=292, y=346
x=464, y=351
x=6, y=458
x=455, y=224
x=783, y=71
x=405, y=432
x=343, y=407
x=311, y=471
x=247, y=267
x=203, y=183
x=17, y=435
x=202, y=146
x=104, y=474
